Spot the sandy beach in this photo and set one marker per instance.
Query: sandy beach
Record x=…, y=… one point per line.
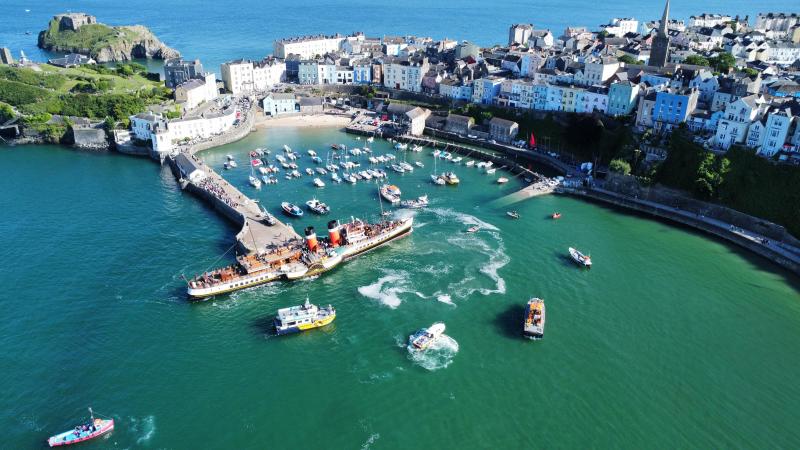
x=308, y=121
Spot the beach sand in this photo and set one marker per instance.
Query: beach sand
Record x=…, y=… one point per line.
x=309, y=121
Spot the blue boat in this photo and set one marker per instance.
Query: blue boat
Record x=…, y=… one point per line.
x=291, y=209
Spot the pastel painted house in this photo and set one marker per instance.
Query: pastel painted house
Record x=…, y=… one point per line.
x=276, y=104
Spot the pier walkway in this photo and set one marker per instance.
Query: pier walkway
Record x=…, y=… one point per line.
x=255, y=235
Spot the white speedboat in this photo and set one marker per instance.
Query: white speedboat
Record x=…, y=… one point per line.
x=255, y=182
x=450, y=178
x=317, y=206
x=287, y=149
x=438, y=180
x=398, y=168
x=424, y=338
x=319, y=183
x=322, y=171
x=420, y=202
x=350, y=179
x=491, y=171
x=335, y=178
x=469, y=163
x=580, y=258
x=312, y=153
x=456, y=160
x=309, y=171
x=502, y=180
x=263, y=170
x=229, y=157
x=419, y=164
x=408, y=167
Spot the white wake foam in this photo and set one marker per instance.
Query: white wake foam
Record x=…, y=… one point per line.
x=438, y=356
x=387, y=289
x=144, y=428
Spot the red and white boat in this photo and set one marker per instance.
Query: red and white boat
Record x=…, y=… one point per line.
x=256, y=162
x=95, y=427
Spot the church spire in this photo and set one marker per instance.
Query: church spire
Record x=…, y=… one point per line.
x=662, y=27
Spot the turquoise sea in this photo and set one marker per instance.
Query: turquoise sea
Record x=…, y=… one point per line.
x=220, y=31
x=672, y=340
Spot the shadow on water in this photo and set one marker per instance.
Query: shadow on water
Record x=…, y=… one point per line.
x=565, y=260
x=264, y=325
x=509, y=322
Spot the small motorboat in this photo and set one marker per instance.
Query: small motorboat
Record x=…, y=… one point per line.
x=322, y=171
x=256, y=162
x=390, y=193
x=263, y=170
x=406, y=166
x=513, y=214
x=309, y=171
x=473, y=229
x=534, y=319
x=287, y=149
x=231, y=165
x=255, y=182
x=319, y=183
x=438, y=180
x=425, y=337
x=502, y=180
x=556, y=215
x=370, y=139
x=265, y=179
x=318, y=207
x=335, y=178
x=491, y=171
x=350, y=179
x=229, y=157
x=292, y=209
x=469, y=163
x=420, y=202
x=419, y=164
x=312, y=153
x=316, y=160
x=88, y=430
x=580, y=258
x=398, y=168
x=450, y=178
x=456, y=160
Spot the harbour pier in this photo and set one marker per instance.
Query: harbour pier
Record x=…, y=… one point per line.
x=255, y=234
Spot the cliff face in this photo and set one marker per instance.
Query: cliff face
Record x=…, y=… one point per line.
x=101, y=42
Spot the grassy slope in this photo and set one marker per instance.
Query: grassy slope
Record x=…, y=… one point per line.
x=92, y=37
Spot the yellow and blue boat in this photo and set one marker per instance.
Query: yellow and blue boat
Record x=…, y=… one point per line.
x=303, y=318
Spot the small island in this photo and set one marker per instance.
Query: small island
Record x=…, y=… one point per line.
x=81, y=33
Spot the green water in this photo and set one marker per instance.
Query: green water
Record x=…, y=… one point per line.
x=671, y=340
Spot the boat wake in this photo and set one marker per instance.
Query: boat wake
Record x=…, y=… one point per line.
x=144, y=428
x=388, y=288
x=438, y=356
x=446, y=214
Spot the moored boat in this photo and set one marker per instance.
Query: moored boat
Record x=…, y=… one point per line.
x=556, y=215
x=580, y=258
x=390, y=193
x=422, y=339
x=303, y=318
x=95, y=427
x=319, y=183
x=513, y=214
x=534, y=319
x=255, y=182
x=502, y=180
x=291, y=209
x=450, y=178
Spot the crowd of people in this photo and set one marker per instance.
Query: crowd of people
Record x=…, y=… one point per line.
x=217, y=191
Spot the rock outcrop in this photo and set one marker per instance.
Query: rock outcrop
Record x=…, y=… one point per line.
x=80, y=33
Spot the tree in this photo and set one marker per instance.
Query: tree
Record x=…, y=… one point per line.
x=486, y=116
x=619, y=166
x=723, y=62
x=6, y=112
x=697, y=60
x=627, y=59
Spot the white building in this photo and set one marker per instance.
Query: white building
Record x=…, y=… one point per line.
x=776, y=130
x=237, y=76
x=194, y=92
x=244, y=76
x=276, y=104
x=405, y=73
x=416, y=119
x=597, y=70
x=620, y=27
x=307, y=47
x=164, y=134
x=732, y=128
x=708, y=20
